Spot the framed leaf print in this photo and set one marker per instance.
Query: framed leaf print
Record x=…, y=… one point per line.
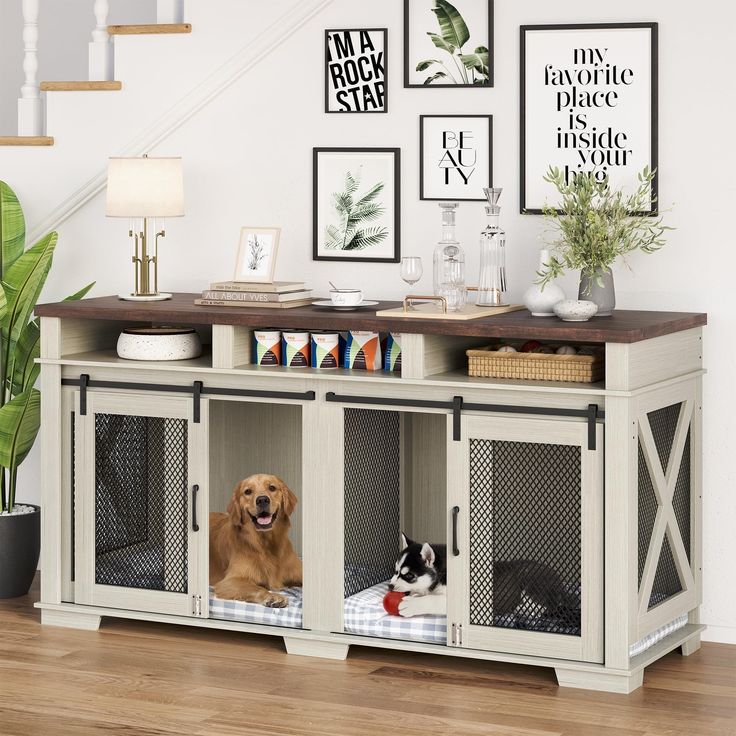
x=455, y=157
x=355, y=70
x=356, y=204
x=448, y=43
x=588, y=106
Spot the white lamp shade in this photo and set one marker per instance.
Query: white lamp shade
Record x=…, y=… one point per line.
x=145, y=187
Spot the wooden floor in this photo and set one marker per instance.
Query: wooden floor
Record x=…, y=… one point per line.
x=144, y=679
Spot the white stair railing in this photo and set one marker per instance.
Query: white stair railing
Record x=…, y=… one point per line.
x=30, y=111
x=170, y=11
x=100, y=48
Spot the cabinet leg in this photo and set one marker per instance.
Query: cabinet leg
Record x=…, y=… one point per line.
x=690, y=646
x=71, y=619
x=609, y=682
x=313, y=648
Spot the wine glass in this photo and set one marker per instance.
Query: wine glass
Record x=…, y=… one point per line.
x=411, y=270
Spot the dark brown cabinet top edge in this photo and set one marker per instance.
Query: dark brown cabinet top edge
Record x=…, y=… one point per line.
x=624, y=326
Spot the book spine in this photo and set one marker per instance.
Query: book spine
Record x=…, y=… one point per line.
x=240, y=296
x=261, y=305
x=235, y=286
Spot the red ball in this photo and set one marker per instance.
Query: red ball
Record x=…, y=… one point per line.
x=530, y=346
x=391, y=602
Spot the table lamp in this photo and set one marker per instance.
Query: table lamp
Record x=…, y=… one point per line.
x=140, y=188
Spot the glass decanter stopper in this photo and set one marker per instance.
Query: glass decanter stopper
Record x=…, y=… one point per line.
x=492, y=282
x=449, y=262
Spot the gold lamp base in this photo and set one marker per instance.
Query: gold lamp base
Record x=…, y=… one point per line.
x=143, y=263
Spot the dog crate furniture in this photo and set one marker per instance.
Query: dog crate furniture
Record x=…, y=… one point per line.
x=571, y=511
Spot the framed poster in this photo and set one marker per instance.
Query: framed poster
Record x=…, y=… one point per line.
x=357, y=200
x=257, y=253
x=355, y=70
x=455, y=157
x=448, y=44
x=588, y=105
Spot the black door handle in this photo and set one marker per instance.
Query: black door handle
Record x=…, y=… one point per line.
x=455, y=512
x=195, y=491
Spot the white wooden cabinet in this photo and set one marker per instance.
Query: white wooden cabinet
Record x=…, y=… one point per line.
x=571, y=512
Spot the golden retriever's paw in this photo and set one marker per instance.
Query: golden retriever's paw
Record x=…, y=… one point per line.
x=274, y=600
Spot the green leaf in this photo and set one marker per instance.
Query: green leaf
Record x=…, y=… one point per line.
x=434, y=77
x=27, y=350
x=422, y=66
x=3, y=304
x=478, y=61
x=440, y=43
x=367, y=238
x=370, y=195
x=12, y=228
x=20, y=420
x=23, y=283
x=453, y=27
x=81, y=293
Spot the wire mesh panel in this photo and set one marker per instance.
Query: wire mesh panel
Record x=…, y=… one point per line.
x=372, y=497
x=141, y=482
x=667, y=582
x=525, y=536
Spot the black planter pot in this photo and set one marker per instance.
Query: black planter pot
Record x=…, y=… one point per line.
x=20, y=545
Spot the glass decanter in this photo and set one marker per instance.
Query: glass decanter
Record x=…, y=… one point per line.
x=492, y=282
x=449, y=262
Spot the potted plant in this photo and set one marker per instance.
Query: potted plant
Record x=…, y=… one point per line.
x=23, y=273
x=595, y=225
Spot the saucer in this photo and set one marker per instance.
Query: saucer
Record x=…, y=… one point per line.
x=327, y=304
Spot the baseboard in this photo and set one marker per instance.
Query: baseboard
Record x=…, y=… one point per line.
x=720, y=634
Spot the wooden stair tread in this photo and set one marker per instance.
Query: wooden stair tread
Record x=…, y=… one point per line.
x=81, y=86
x=26, y=140
x=153, y=28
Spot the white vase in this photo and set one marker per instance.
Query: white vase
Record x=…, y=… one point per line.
x=541, y=301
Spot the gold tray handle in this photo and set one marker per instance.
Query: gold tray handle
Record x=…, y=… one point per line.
x=410, y=300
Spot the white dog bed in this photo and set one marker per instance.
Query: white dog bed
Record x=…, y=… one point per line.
x=365, y=616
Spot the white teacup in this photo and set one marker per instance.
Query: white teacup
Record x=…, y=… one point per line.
x=346, y=297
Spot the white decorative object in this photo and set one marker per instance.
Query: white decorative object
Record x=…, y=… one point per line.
x=541, y=301
x=572, y=310
x=346, y=297
x=159, y=343
x=566, y=350
x=507, y=349
x=30, y=109
x=100, y=48
x=259, y=247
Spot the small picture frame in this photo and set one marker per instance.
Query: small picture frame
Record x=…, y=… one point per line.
x=448, y=43
x=257, y=253
x=356, y=62
x=357, y=202
x=455, y=157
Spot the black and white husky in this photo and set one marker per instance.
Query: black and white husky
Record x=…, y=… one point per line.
x=520, y=585
x=421, y=573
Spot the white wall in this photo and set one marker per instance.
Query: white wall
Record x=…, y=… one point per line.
x=64, y=31
x=248, y=161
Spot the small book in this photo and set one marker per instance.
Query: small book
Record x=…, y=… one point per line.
x=275, y=287
x=254, y=297
x=251, y=305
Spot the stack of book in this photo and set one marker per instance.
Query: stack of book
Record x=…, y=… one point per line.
x=276, y=295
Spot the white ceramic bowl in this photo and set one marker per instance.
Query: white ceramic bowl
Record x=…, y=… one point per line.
x=572, y=310
x=159, y=343
x=346, y=297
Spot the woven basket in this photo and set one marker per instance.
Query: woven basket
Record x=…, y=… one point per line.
x=489, y=363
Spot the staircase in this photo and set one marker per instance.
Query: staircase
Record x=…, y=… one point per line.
x=145, y=81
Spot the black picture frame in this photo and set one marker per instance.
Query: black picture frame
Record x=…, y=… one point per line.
x=396, y=153
x=384, y=33
x=491, y=47
x=654, y=123
x=449, y=197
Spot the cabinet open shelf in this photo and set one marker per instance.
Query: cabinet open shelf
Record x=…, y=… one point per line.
x=109, y=357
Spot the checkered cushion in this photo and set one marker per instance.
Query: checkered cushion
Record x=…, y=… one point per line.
x=254, y=613
x=365, y=615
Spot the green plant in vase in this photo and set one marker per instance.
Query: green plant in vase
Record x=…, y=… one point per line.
x=23, y=274
x=467, y=68
x=595, y=224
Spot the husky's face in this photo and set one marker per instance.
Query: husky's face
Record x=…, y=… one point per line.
x=415, y=572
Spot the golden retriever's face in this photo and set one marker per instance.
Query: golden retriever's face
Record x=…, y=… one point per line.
x=261, y=500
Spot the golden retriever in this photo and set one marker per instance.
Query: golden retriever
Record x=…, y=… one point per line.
x=250, y=551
